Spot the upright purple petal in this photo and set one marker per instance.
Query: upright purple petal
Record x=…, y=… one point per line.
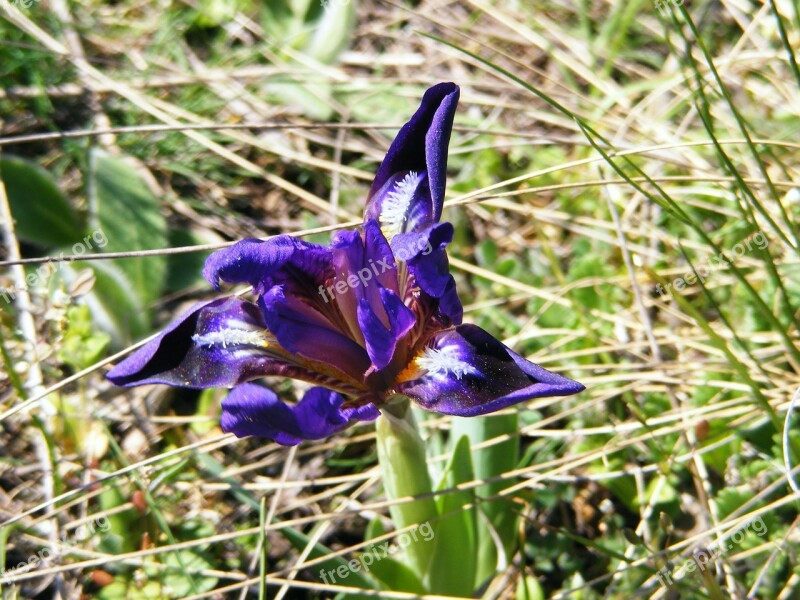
x=379, y=256
x=416, y=164
x=467, y=372
x=366, y=277
x=253, y=410
x=424, y=253
x=214, y=344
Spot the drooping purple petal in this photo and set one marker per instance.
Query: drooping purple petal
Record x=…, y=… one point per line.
x=301, y=329
x=424, y=253
x=420, y=147
x=214, y=344
x=282, y=260
x=253, y=410
x=467, y=372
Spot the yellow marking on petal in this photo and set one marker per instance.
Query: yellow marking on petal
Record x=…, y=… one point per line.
x=412, y=370
x=436, y=362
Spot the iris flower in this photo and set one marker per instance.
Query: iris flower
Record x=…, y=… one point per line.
x=369, y=320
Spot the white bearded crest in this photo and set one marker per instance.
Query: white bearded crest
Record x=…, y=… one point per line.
x=444, y=361
x=231, y=336
x=395, y=207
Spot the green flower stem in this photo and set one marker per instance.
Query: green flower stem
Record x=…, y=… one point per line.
x=401, y=454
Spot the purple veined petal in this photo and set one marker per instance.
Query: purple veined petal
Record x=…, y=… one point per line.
x=223, y=343
x=281, y=260
x=382, y=338
x=424, y=253
x=467, y=372
x=253, y=410
x=379, y=256
x=419, y=147
x=450, y=304
x=364, y=266
x=214, y=344
x=347, y=252
x=301, y=329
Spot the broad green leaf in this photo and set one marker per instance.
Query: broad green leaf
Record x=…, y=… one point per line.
x=115, y=309
x=393, y=574
x=42, y=214
x=529, y=588
x=486, y=254
x=456, y=550
x=130, y=217
x=374, y=529
x=390, y=573
x=333, y=31
x=490, y=462
x=401, y=454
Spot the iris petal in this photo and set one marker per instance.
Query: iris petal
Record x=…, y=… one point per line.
x=253, y=410
x=467, y=372
x=301, y=329
x=282, y=260
x=378, y=252
x=420, y=147
x=382, y=340
x=424, y=253
x=214, y=344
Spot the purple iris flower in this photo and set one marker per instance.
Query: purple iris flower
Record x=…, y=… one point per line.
x=371, y=319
